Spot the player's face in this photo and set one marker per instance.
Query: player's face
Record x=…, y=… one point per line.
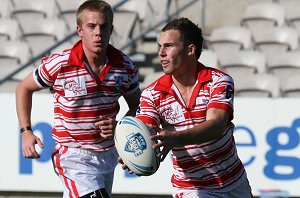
x=95, y=31
x=172, y=52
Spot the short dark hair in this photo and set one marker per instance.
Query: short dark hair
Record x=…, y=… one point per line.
x=94, y=6
x=190, y=33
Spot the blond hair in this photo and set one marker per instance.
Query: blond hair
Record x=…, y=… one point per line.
x=94, y=6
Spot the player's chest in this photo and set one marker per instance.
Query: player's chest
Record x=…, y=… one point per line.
x=81, y=83
x=173, y=109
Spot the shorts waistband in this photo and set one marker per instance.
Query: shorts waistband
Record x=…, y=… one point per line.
x=85, y=151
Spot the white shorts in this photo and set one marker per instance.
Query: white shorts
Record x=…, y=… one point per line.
x=242, y=191
x=82, y=171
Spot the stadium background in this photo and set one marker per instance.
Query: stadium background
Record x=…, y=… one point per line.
x=274, y=114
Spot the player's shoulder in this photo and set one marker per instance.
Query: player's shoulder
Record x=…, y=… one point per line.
x=118, y=56
x=216, y=71
x=155, y=89
x=128, y=62
x=57, y=59
x=217, y=74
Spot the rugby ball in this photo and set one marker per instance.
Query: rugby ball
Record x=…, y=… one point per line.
x=134, y=146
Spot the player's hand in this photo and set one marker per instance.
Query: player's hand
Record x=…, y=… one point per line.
x=124, y=166
x=107, y=127
x=164, y=143
x=154, y=129
x=29, y=140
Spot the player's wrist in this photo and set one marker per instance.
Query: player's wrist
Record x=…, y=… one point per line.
x=24, y=129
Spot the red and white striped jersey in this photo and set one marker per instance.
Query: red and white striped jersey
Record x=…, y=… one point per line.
x=213, y=165
x=80, y=96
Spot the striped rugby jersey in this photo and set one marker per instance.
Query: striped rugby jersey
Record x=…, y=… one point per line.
x=80, y=96
x=213, y=165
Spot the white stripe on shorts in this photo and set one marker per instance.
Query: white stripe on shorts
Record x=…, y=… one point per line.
x=84, y=171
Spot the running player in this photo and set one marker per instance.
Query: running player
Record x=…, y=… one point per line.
x=86, y=82
x=194, y=106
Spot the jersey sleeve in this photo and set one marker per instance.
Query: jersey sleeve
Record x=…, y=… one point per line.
x=147, y=111
x=222, y=93
x=46, y=74
x=42, y=77
x=133, y=76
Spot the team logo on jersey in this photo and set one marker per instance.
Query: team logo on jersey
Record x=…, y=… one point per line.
x=205, y=101
x=135, y=144
x=75, y=87
x=229, y=91
x=173, y=114
x=118, y=80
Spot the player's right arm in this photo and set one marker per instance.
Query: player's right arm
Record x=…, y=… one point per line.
x=24, y=92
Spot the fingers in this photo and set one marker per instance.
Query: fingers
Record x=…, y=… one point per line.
x=101, y=122
x=41, y=145
x=157, y=145
x=124, y=166
x=156, y=137
x=30, y=152
x=107, y=134
x=106, y=127
x=35, y=153
x=28, y=145
x=162, y=146
x=162, y=155
x=153, y=128
x=120, y=160
x=104, y=121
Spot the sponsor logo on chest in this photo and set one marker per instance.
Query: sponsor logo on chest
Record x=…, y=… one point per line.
x=75, y=87
x=172, y=113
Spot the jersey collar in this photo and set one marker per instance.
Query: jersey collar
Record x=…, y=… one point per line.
x=165, y=82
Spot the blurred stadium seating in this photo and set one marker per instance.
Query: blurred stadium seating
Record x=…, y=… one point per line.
x=257, y=85
x=229, y=38
x=48, y=26
x=262, y=53
x=243, y=62
x=284, y=65
x=263, y=41
x=291, y=86
x=261, y=15
x=209, y=58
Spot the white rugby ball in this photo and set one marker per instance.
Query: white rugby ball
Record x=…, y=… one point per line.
x=134, y=146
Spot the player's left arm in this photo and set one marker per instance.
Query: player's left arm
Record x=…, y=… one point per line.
x=211, y=129
x=218, y=117
x=107, y=125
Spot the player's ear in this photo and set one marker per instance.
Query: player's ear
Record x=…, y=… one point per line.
x=191, y=49
x=79, y=31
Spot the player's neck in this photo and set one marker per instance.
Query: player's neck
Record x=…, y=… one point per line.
x=96, y=63
x=184, y=81
x=96, y=60
x=186, y=78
